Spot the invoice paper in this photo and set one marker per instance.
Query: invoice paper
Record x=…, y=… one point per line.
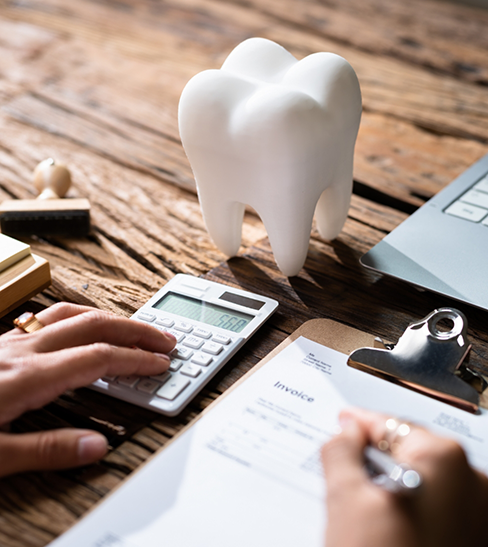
x=248, y=473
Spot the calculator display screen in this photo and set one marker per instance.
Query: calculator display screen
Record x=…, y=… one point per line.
x=195, y=309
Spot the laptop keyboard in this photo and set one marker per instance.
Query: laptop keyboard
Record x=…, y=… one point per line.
x=473, y=204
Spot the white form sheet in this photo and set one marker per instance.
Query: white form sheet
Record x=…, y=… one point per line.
x=248, y=472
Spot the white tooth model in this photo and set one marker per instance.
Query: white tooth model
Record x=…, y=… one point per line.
x=277, y=134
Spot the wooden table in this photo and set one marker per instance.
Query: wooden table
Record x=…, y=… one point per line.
x=96, y=84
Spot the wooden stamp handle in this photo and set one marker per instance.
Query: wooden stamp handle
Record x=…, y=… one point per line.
x=52, y=180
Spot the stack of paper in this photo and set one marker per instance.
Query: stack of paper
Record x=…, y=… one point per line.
x=11, y=251
x=22, y=274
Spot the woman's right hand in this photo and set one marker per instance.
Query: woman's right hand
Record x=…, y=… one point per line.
x=449, y=509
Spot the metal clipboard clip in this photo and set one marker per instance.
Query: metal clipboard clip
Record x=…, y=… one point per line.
x=428, y=359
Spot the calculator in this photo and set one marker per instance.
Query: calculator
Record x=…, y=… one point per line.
x=210, y=322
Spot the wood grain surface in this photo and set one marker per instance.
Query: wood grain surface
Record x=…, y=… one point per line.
x=96, y=85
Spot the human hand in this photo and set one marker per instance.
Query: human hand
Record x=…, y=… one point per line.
x=448, y=510
x=77, y=346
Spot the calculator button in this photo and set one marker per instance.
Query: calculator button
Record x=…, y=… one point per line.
x=109, y=378
x=148, y=386
x=193, y=342
x=182, y=353
x=178, y=335
x=166, y=322
x=173, y=387
x=221, y=339
x=161, y=377
x=183, y=326
x=202, y=333
x=191, y=370
x=175, y=365
x=201, y=359
x=129, y=381
x=149, y=317
x=212, y=347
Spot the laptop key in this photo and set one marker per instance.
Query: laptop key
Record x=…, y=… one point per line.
x=475, y=197
x=466, y=211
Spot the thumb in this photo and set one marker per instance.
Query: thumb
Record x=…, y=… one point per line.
x=342, y=458
x=46, y=450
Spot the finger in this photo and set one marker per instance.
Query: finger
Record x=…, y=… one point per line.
x=56, y=372
x=56, y=449
x=418, y=448
x=98, y=326
x=60, y=311
x=374, y=423
x=343, y=460
x=56, y=312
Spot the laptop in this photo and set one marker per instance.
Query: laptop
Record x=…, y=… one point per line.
x=443, y=246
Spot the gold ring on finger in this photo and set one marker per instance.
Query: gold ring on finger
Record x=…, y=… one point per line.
x=28, y=322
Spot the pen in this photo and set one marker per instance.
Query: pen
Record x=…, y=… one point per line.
x=395, y=477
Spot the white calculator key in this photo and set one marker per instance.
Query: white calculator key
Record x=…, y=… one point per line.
x=129, y=381
x=183, y=326
x=201, y=359
x=165, y=322
x=109, y=378
x=173, y=387
x=202, y=333
x=175, y=365
x=221, y=339
x=178, y=335
x=149, y=317
x=193, y=342
x=466, y=211
x=161, y=377
x=191, y=370
x=212, y=347
x=147, y=385
x=182, y=353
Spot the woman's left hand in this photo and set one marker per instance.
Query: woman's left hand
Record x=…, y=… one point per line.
x=77, y=346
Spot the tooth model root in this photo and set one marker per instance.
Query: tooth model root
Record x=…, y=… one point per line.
x=278, y=135
x=224, y=223
x=333, y=204
x=289, y=235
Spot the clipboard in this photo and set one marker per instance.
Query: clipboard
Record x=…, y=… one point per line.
x=163, y=470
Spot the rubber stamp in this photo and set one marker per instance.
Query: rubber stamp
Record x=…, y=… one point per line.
x=50, y=214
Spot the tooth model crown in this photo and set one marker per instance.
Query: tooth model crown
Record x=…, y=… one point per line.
x=277, y=134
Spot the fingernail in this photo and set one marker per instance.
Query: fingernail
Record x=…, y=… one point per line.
x=163, y=356
x=91, y=447
x=170, y=336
